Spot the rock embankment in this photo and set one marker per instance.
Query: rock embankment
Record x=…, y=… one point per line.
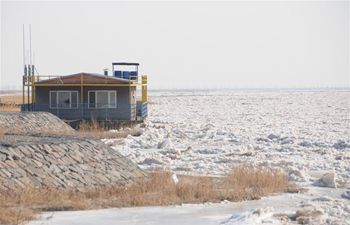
x=31, y=158
x=74, y=164
x=33, y=122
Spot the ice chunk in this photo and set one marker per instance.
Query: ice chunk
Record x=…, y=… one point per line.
x=346, y=194
x=341, y=145
x=253, y=217
x=174, y=178
x=305, y=144
x=221, y=132
x=166, y=143
x=286, y=140
x=322, y=199
x=263, y=139
x=150, y=161
x=296, y=175
x=273, y=136
x=309, y=215
x=207, y=151
x=327, y=180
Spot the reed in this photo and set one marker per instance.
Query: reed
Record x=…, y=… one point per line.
x=158, y=188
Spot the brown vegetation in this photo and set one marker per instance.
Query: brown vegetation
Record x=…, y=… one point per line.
x=10, y=103
x=96, y=129
x=12, y=99
x=246, y=182
x=9, y=108
x=158, y=188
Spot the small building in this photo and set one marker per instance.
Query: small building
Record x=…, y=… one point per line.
x=87, y=96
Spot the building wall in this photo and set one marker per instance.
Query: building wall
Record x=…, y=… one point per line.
x=124, y=110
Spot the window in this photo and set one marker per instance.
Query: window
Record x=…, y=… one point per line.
x=63, y=99
x=102, y=99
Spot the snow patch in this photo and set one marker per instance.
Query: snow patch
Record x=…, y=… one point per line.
x=253, y=217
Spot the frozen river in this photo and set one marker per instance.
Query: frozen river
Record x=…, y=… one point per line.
x=305, y=133
x=209, y=132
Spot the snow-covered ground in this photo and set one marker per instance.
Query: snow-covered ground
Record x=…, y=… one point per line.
x=318, y=205
x=305, y=133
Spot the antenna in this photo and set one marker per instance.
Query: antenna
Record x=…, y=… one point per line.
x=30, y=44
x=24, y=53
x=34, y=63
x=24, y=69
x=29, y=70
x=30, y=47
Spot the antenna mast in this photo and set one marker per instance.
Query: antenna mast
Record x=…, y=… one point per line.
x=24, y=46
x=30, y=50
x=29, y=70
x=28, y=76
x=24, y=68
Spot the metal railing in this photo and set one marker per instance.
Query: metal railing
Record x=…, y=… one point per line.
x=83, y=111
x=28, y=80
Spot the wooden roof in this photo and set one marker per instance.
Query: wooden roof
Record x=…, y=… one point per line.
x=85, y=78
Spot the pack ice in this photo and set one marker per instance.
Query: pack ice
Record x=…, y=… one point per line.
x=304, y=133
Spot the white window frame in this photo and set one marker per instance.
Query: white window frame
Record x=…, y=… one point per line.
x=70, y=102
x=109, y=106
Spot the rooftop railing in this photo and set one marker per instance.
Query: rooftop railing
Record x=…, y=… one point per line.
x=28, y=80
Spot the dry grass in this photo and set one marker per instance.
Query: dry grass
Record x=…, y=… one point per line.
x=9, y=108
x=158, y=188
x=247, y=182
x=95, y=129
x=10, y=103
x=12, y=99
x=23, y=204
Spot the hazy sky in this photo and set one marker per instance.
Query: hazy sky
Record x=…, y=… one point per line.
x=184, y=44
